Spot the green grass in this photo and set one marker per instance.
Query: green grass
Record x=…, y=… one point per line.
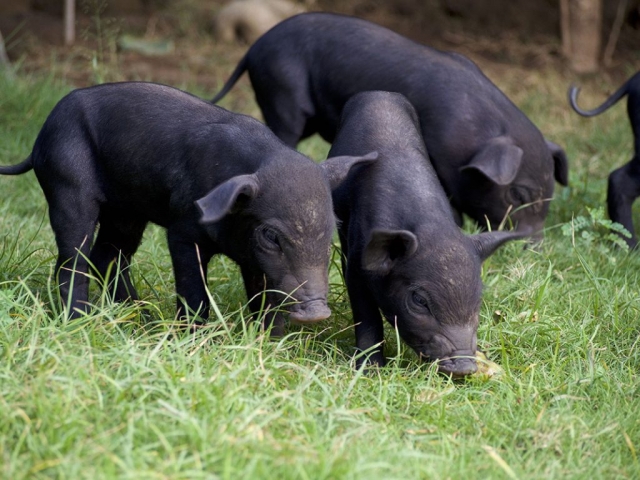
x=123, y=393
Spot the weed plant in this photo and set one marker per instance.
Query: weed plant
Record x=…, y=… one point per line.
x=124, y=392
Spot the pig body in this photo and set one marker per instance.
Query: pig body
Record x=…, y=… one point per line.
x=624, y=182
x=490, y=158
x=118, y=156
x=404, y=254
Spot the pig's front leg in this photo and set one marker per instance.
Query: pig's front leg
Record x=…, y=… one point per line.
x=259, y=300
x=190, y=269
x=367, y=319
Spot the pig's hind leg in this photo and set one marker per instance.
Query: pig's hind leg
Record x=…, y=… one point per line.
x=73, y=218
x=118, y=239
x=287, y=111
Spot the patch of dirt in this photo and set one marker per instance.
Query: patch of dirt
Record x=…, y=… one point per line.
x=496, y=34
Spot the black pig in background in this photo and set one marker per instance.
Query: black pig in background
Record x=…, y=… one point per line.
x=624, y=183
x=492, y=161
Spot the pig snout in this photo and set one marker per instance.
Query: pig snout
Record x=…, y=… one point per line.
x=458, y=365
x=445, y=350
x=310, y=311
x=308, y=300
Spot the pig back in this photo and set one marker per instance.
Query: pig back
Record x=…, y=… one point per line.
x=401, y=190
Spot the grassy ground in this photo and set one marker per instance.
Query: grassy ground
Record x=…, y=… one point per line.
x=123, y=394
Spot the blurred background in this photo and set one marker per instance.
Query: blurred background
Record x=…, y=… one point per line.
x=192, y=42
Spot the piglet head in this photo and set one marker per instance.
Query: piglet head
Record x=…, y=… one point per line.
x=278, y=224
x=432, y=294
x=506, y=182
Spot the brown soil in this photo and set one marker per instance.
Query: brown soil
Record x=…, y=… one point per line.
x=497, y=34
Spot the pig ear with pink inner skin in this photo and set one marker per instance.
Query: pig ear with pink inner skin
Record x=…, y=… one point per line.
x=336, y=169
x=227, y=197
x=385, y=248
x=499, y=160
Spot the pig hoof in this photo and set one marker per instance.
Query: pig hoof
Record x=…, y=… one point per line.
x=457, y=367
x=309, y=312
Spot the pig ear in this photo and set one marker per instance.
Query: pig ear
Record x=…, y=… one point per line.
x=385, y=248
x=499, y=160
x=226, y=197
x=336, y=169
x=560, y=163
x=488, y=242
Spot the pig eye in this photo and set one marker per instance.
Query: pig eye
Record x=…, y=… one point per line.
x=420, y=300
x=523, y=196
x=519, y=195
x=270, y=239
